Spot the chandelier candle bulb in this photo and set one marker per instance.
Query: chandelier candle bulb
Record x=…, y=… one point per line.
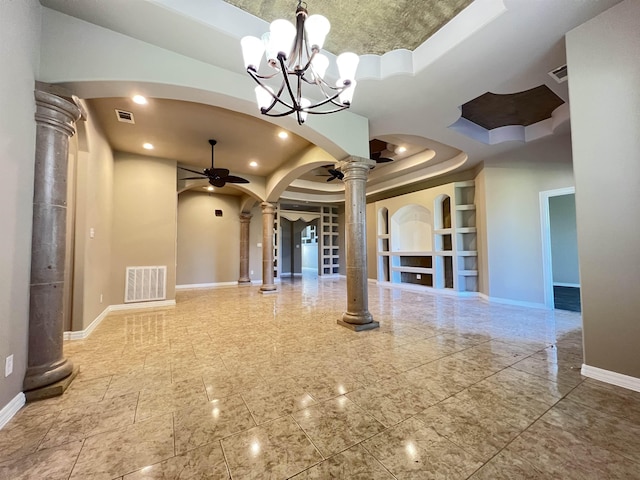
x=293, y=53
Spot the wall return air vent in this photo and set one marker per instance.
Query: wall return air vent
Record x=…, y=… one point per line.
x=560, y=74
x=124, y=116
x=145, y=284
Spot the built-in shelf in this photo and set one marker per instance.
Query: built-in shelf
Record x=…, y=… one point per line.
x=430, y=241
x=330, y=254
x=465, y=207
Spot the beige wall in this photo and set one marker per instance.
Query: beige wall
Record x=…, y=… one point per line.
x=372, y=254
x=255, y=237
x=19, y=44
x=512, y=185
x=564, y=239
x=481, y=223
x=604, y=85
x=208, y=246
x=92, y=286
x=144, y=219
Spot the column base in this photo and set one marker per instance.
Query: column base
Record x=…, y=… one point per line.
x=358, y=327
x=44, y=375
x=243, y=281
x=54, y=390
x=358, y=322
x=269, y=290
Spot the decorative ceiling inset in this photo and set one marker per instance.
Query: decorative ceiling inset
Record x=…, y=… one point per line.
x=493, y=110
x=371, y=27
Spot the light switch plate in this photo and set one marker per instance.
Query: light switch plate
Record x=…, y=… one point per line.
x=8, y=365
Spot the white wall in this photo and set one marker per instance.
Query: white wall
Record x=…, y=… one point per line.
x=604, y=83
x=208, y=246
x=144, y=218
x=564, y=239
x=92, y=287
x=19, y=59
x=510, y=217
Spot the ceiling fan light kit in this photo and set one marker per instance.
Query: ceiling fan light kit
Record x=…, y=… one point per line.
x=218, y=177
x=294, y=53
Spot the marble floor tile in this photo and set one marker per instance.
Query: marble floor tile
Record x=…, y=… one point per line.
x=609, y=399
x=394, y=400
x=412, y=450
x=278, y=449
x=353, y=464
x=22, y=435
x=117, y=452
x=175, y=396
x=336, y=424
x=217, y=419
x=52, y=464
x=508, y=466
x=276, y=399
x=322, y=386
x=202, y=463
x=562, y=454
x=453, y=381
x=478, y=432
x=80, y=422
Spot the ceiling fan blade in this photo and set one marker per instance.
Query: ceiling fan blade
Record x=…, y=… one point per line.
x=234, y=179
x=193, y=178
x=217, y=182
x=192, y=171
x=331, y=179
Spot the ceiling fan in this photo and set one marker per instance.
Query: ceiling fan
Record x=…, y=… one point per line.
x=332, y=173
x=218, y=177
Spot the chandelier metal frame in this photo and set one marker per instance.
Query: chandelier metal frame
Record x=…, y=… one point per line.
x=298, y=68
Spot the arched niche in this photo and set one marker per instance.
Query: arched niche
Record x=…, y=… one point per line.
x=412, y=229
x=442, y=207
x=383, y=221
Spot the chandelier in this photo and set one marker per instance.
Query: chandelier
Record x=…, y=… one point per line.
x=294, y=53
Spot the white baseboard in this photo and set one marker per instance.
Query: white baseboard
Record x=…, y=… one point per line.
x=508, y=301
x=11, y=408
x=82, y=334
x=613, y=378
x=288, y=274
x=424, y=289
x=139, y=305
x=197, y=286
x=560, y=284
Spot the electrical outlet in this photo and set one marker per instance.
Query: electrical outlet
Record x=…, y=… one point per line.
x=418, y=276
x=8, y=366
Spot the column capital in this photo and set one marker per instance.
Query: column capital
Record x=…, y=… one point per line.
x=355, y=168
x=245, y=217
x=55, y=112
x=268, y=208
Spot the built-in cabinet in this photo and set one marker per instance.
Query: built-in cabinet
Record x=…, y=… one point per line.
x=329, y=249
x=429, y=239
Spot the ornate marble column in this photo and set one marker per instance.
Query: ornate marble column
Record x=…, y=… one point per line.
x=357, y=316
x=46, y=366
x=268, y=211
x=245, y=222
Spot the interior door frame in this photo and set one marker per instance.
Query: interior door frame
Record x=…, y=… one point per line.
x=545, y=224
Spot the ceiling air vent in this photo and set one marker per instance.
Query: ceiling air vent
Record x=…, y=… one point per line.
x=126, y=117
x=559, y=74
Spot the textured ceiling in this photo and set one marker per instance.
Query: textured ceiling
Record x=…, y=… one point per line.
x=493, y=110
x=373, y=26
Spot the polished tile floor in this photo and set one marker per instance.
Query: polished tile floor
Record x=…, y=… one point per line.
x=234, y=384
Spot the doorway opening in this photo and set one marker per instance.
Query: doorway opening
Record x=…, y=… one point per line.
x=560, y=249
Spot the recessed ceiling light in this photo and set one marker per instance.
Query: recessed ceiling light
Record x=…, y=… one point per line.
x=253, y=163
x=210, y=188
x=139, y=99
x=401, y=149
x=283, y=134
x=147, y=146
